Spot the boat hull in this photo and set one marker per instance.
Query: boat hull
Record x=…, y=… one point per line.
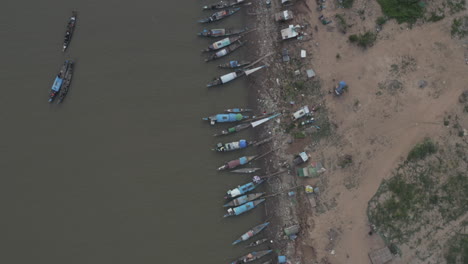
x=252, y=232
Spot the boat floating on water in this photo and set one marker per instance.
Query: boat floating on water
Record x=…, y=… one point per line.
x=222, y=43
x=225, y=118
x=252, y=232
x=243, y=208
x=234, y=64
x=66, y=82
x=69, y=32
x=245, y=125
x=220, y=32
x=246, y=170
x=240, y=190
x=252, y=256
x=224, y=4
x=241, y=144
x=226, y=51
x=257, y=243
x=238, y=110
x=232, y=76
x=237, y=162
x=57, y=85
x=219, y=15
x=244, y=199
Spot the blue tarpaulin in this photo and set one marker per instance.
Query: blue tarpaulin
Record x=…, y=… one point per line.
x=234, y=64
x=57, y=84
x=243, y=143
x=341, y=86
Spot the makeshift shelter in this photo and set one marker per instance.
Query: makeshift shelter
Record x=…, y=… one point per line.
x=284, y=16
x=290, y=32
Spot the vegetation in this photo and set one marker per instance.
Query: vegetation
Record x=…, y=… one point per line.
x=342, y=24
x=435, y=17
x=457, y=249
x=458, y=29
x=404, y=11
x=422, y=150
x=364, y=40
x=347, y=3
x=381, y=20
x=456, y=6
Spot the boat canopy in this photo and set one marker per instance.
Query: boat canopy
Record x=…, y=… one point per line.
x=247, y=235
x=220, y=118
x=243, y=160
x=243, y=143
x=221, y=53
x=57, y=84
x=233, y=64
x=221, y=43
x=243, y=208
x=228, y=77
x=235, y=192
x=217, y=32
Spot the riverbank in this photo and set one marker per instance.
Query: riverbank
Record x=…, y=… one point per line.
x=365, y=133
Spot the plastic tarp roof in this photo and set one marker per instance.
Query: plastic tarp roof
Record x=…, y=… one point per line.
x=57, y=84
x=228, y=117
x=243, y=143
x=221, y=53
x=233, y=63
x=228, y=77
x=289, y=32
x=221, y=43
x=218, y=31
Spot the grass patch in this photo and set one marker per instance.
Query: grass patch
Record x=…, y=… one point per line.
x=435, y=17
x=299, y=135
x=422, y=150
x=404, y=11
x=457, y=249
x=458, y=28
x=346, y=3
x=456, y=6
x=364, y=40
x=342, y=24
x=381, y=20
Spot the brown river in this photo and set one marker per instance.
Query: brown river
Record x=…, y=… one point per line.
x=122, y=171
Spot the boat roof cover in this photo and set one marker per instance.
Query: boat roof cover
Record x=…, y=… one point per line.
x=228, y=77
x=243, y=143
x=234, y=163
x=218, y=31
x=221, y=53
x=228, y=117
x=221, y=43
x=243, y=208
x=243, y=160
x=57, y=84
x=234, y=63
x=235, y=192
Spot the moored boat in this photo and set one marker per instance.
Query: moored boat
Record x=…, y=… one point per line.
x=66, y=82
x=226, y=78
x=225, y=147
x=226, y=51
x=238, y=110
x=234, y=64
x=252, y=256
x=246, y=125
x=243, y=208
x=224, y=4
x=225, y=118
x=257, y=243
x=246, y=170
x=244, y=199
x=243, y=189
x=221, y=32
x=57, y=85
x=69, y=32
x=252, y=232
x=219, y=15
x=237, y=162
x=222, y=43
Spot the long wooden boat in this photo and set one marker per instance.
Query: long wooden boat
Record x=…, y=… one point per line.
x=245, y=126
x=225, y=118
x=224, y=4
x=235, y=145
x=57, y=85
x=252, y=256
x=237, y=162
x=252, y=232
x=222, y=43
x=238, y=110
x=219, y=15
x=66, y=82
x=243, y=189
x=221, y=32
x=70, y=29
x=226, y=78
x=257, y=243
x=243, y=208
x=244, y=199
x=226, y=51
x=234, y=64
x=246, y=170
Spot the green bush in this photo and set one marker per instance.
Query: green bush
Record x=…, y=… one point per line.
x=348, y=3
x=422, y=150
x=364, y=40
x=353, y=38
x=404, y=11
x=381, y=20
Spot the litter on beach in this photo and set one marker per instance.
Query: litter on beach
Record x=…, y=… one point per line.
x=303, y=53
x=310, y=73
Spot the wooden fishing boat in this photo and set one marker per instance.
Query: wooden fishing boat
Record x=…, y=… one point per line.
x=57, y=85
x=257, y=243
x=219, y=15
x=237, y=110
x=245, y=125
x=252, y=256
x=234, y=64
x=222, y=43
x=224, y=4
x=246, y=170
x=243, y=208
x=221, y=32
x=226, y=51
x=66, y=82
x=244, y=199
x=225, y=118
x=231, y=146
x=243, y=189
x=69, y=32
x=252, y=232
x=237, y=162
x=226, y=78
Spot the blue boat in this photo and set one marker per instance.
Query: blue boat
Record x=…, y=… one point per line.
x=252, y=256
x=225, y=118
x=252, y=232
x=243, y=189
x=243, y=208
x=244, y=199
x=241, y=144
x=57, y=85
